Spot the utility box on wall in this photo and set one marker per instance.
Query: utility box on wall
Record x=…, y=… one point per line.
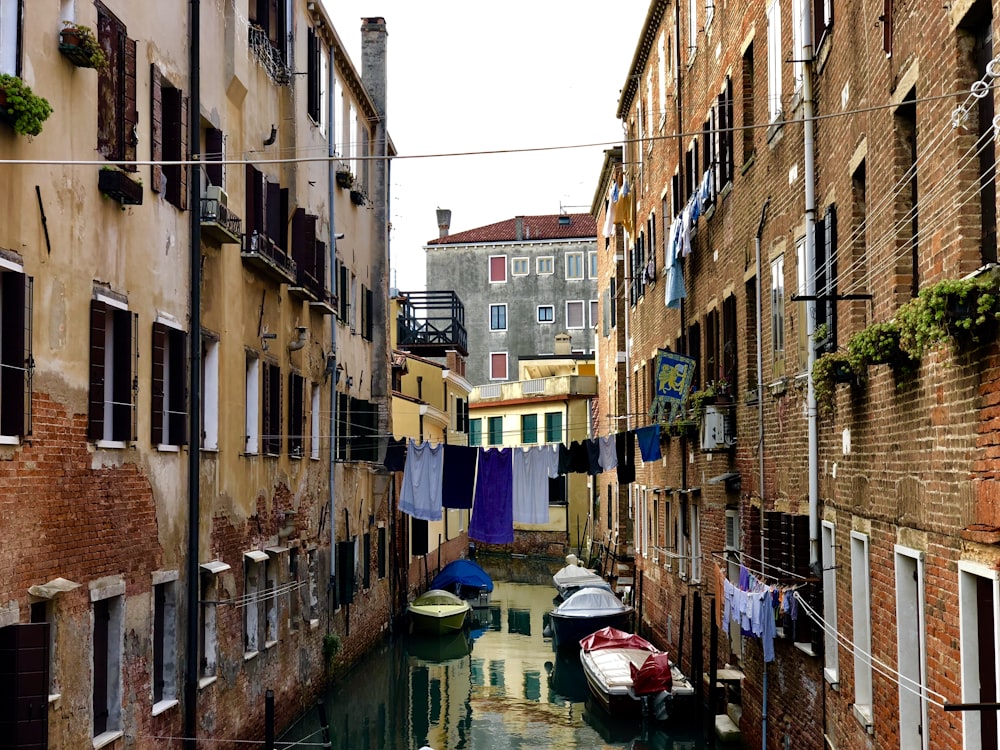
x=717, y=430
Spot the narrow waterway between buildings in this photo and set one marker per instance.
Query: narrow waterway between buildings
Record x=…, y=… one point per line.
x=496, y=686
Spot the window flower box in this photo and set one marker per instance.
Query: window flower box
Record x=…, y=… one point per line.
x=20, y=107
x=117, y=185
x=79, y=45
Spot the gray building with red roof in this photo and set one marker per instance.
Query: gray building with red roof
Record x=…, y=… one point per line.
x=522, y=281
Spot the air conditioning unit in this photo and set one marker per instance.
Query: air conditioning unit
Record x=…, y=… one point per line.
x=216, y=193
x=715, y=429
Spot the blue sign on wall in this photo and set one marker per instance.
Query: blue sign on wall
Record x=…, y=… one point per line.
x=674, y=373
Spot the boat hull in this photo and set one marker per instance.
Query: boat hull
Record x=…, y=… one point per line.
x=438, y=620
x=567, y=631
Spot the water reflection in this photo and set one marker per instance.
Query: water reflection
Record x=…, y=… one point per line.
x=496, y=686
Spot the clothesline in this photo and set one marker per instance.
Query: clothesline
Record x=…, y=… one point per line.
x=776, y=579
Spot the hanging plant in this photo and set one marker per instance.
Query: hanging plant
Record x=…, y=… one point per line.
x=828, y=371
x=78, y=43
x=20, y=107
x=956, y=310
x=878, y=344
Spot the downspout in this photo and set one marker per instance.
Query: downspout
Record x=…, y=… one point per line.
x=194, y=384
x=760, y=440
x=331, y=366
x=808, y=128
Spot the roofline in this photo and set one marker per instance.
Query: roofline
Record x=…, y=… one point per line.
x=612, y=158
x=498, y=243
x=654, y=16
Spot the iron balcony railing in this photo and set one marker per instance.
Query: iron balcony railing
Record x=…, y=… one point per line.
x=431, y=320
x=214, y=211
x=261, y=247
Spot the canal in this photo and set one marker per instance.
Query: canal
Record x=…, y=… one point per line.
x=498, y=686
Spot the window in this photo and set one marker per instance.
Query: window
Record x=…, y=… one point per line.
x=309, y=254
x=778, y=315
x=774, y=61
x=750, y=330
x=553, y=427
x=106, y=647
x=593, y=313
x=519, y=267
x=252, y=406
x=498, y=317
x=168, y=139
x=498, y=365
x=529, y=428
x=269, y=26
x=271, y=408
x=253, y=598
x=266, y=205
x=215, y=156
x=314, y=423
x=725, y=158
x=978, y=612
x=366, y=558
x=906, y=202
x=209, y=393
x=312, y=590
x=15, y=351
x=169, y=386
x=495, y=431
x=475, y=432
x=828, y=541
x=862, y=614
x=117, y=115
x=44, y=667
x=314, y=78
x=613, y=298
x=272, y=577
x=911, y=633
x=729, y=369
x=748, y=104
x=165, y=640
x=801, y=277
x=498, y=269
x=546, y=313
x=692, y=28
x=208, y=643
x=826, y=279
x=367, y=313
x=296, y=415
x=709, y=12
x=543, y=266
x=10, y=37
x=694, y=541
x=574, y=314
x=592, y=264
x=822, y=21
x=574, y=266
x=113, y=358
x=798, y=66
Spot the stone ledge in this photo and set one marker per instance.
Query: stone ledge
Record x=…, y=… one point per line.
x=981, y=533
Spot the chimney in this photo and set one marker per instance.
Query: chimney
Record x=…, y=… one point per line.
x=563, y=342
x=374, y=41
x=444, y=221
x=519, y=228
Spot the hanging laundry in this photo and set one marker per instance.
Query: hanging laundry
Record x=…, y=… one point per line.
x=395, y=454
x=532, y=469
x=420, y=496
x=705, y=189
x=565, y=462
x=593, y=456
x=674, y=290
x=460, y=462
x=685, y=238
x=649, y=442
x=492, y=512
x=609, y=224
x=625, y=450
x=609, y=459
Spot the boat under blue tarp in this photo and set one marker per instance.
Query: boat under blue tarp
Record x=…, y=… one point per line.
x=463, y=577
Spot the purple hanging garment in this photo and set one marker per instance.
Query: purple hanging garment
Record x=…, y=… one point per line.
x=493, y=512
x=459, y=478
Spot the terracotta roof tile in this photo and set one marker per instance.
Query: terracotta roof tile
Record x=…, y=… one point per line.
x=547, y=227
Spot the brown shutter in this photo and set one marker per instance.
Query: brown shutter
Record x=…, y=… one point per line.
x=253, y=199
x=156, y=127
x=272, y=220
x=183, y=171
x=98, y=335
x=214, y=145
x=299, y=241
x=178, y=365
x=13, y=359
x=321, y=265
x=108, y=83
x=282, y=237
x=159, y=371
x=29, y=357
x=887, y=26
x=130, y=114
x=123, y=359
x=295, y=438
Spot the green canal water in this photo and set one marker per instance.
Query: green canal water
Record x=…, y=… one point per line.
x=497, y=686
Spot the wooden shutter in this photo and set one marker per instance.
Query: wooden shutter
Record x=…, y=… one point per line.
x=178, y=368
x=98, y=343
x=255, y=201
x=272, y=210
x=272, y=409
x=282, y=236
x=312, y=75
x=296, y=385
x=24, y=673
x=102, y=616
x=109, y=83
x=13, y=353
x=382, y=557
x=157, y=385
x=320, y=266
x=130, y=111
x=369, y=328
x=183, y=170
x=123, y=355
x=156, y=127
x=887, y=26
x=366, y=557
x=214, y=147
x=345, y=571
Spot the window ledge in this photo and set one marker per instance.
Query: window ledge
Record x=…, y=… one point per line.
x=314, y=458
x=206, y=449
x=168, y=448
x=10, y=440
x=832, y=677
x=248, y=655
x=805, y=648
x=748, y=163
x=55, y=701
x=313, y=624
x=774, y=131
x=110, y=445
x=106, y=738
x=863, y=713
x=161, y=706
x=270, y=644
x=204, y=682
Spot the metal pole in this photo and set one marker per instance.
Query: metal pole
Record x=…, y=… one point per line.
x=324, y=724
x=713, y=668
x=269, y=719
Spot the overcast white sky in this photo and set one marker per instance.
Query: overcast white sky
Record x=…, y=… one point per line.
x=474, y=76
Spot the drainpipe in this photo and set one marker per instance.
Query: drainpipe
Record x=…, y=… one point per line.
x=760, y=441
x=331, y=367
x=194, y=385
x=808, y=145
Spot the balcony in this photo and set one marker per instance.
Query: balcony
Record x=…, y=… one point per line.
x=312, y=290
x=219, y=223
x=556, y=386
x=432, y=323
x=263, y=255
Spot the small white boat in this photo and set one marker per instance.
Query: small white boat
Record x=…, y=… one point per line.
x=574, y=577
x=436, y=612
x=585, y=612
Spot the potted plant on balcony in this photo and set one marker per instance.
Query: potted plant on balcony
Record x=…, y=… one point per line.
x=345, y=179
x=20, y=107
x=961, y=310
x=79, y=44
x=828, y=371
x=116, y=183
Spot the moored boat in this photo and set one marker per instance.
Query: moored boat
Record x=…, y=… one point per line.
x=573, y=577
x=629, y=676
x=465, y=578
x=587, y=611
x=435, y=612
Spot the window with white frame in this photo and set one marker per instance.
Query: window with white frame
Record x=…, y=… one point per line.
x=208, y=634
x=113, y=354
x=312, y=609
x=683, y=541
x=108, y=609
x=778, y=315
x=253, y=601
x=169, y=385
x=498, y=269
x=544, y=265
x=519, y=267
x=498, y=365
x=695, y=535
x=862, y=620
x=42, y=612
x=774, y=61
x=831, y=669
x=10, y=37
x=274, y=579
x=15, y=351
x=692, y=27
x=593, y=313
x=498, y=317
x=314, y=419
x=252, y=422
x=574, y=314
x=546, y=313
x=911, y=634
x=979, y=613
x=661, y=74
x=798, y=66
x=164, y=640
x=592, y=264
x=574, y=266
x=209, y=393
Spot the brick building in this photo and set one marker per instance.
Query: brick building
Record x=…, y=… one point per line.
x=133, y=622
x=846, y=183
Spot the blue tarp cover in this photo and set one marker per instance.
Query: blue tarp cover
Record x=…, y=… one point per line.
x=465, y=573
